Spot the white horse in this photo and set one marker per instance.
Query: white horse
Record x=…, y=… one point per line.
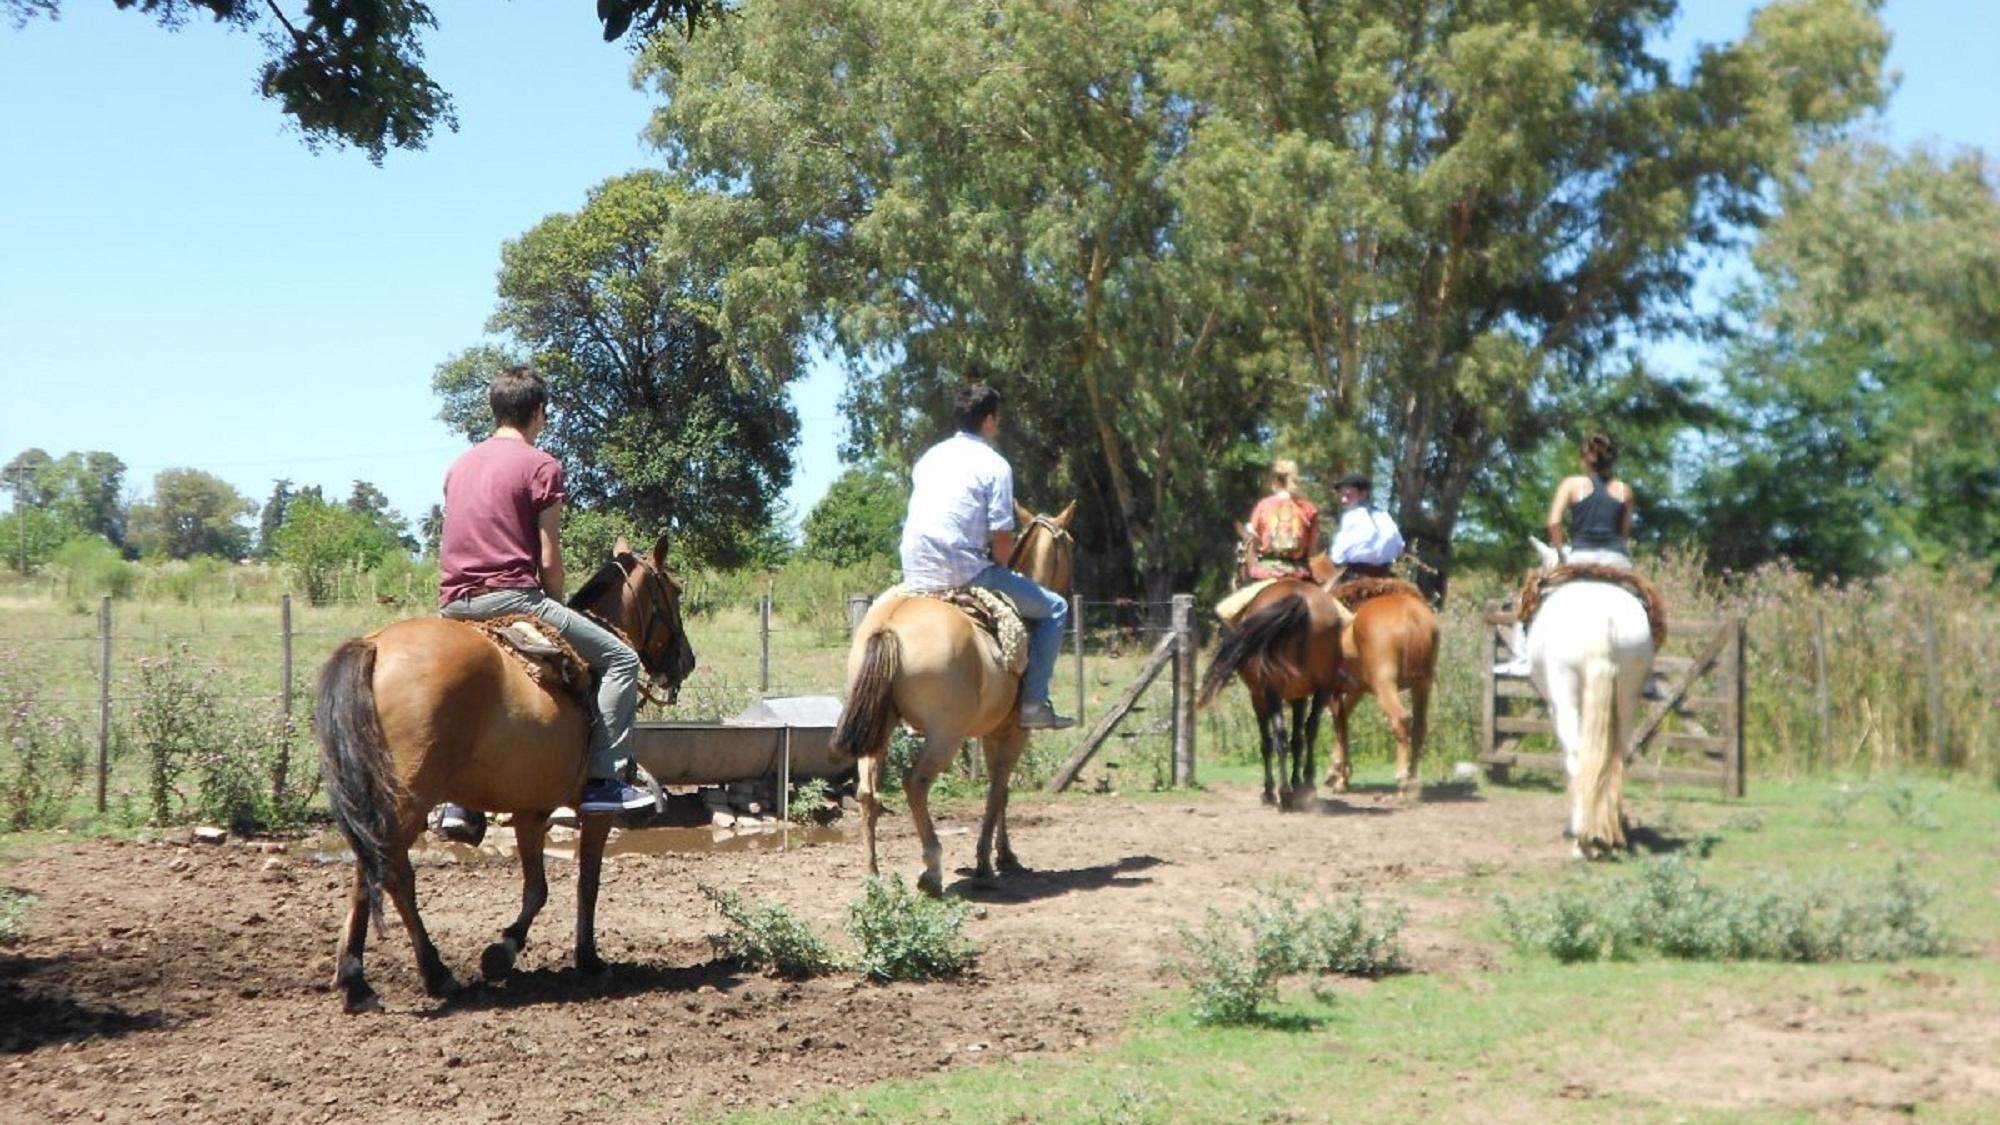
x=1590, y=649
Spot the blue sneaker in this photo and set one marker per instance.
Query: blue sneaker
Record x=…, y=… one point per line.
x=460, y=824
x=609, y=795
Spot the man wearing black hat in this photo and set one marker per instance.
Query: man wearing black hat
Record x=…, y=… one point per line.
x=1367, y=540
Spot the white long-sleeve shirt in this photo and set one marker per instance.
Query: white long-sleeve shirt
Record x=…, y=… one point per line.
x=1366, y=535
x=961, y=492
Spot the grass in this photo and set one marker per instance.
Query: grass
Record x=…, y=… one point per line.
x=1536, y=1039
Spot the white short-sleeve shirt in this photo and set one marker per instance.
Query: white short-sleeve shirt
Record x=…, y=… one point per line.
x=1366, y=535
x=961, y=492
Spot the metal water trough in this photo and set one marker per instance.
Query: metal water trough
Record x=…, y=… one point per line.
x=785, y=737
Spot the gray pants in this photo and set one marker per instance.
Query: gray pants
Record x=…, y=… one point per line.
x=617, y=692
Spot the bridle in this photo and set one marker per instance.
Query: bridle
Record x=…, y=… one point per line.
x=660, y=610
x=1046, y=523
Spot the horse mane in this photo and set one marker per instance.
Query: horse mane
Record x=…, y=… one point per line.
x=610, y=574
x=1355, y=591
x=1538, y=584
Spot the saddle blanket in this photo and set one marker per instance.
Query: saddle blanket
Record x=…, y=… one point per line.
x=993, y=613
x=1231, y=607
x=1539, y=583
x=543, y=652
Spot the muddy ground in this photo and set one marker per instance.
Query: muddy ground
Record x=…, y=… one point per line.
x=173, y=981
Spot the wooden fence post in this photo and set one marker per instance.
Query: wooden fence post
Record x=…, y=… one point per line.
x=1934, y=675
x=1076, y=642
x=857, y=610
x=103, y=699
x=764, y=643
x=1184, y=655
x=1822, y=690
x=285, y=631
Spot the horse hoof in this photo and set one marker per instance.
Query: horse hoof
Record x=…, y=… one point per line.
x=364, y=1001
x=590, y=964
x=497, y=962
x=1269, y=798
x=1010, y=866
x=440, y=987
x=932, y=885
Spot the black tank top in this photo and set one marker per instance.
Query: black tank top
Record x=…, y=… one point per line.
x=1594, y=520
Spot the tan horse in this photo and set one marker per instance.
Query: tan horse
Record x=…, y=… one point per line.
x=922, y=661
x=430, y=710
x=1285, y=646
x=1390, y=648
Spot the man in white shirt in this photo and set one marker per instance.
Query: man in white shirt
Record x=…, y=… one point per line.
x=960, y=531
x=1367, y=540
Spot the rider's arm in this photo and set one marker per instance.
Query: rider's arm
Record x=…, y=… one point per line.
x=1003, y=546
x=549, y=530
x=1625, y=517
x=1557, y=507
x=1348, y=536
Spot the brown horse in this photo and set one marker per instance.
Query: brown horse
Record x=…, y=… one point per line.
x=1391, y=648
x=429, y=710
x=1286, y=648
x=923, y=661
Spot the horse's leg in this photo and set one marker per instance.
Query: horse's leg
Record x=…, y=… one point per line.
x=1420, y=710
x=1295, y=751
x=867, y=794
x=1390, y=699
x=592, y=831
x=1003, y=751
x=937, y=753
x=1271, y=728
x=1312, y=742
x=530, y=833
x=347, y=974
x=401, y=885
x=1343, y=709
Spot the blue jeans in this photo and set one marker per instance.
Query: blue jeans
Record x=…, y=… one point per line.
x=617, y=692
x=1046, y=615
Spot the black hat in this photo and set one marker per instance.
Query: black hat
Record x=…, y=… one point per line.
x=1355, y=480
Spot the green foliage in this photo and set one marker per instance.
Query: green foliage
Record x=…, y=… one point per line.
x=808, y=801
x=191, y=513
x=1666, y=907
x=1866, y=385
x=245, y=771
x=859, y=520
x=318, y=542
x=769, y=936
x=655, y=413
x=1235, y=961
x=46, y=754
x=91, y=568
x=1388, y=235
x=905, y=936
x=14, y=908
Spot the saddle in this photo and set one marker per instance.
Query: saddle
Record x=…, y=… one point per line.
x=1539, y=583
x=543, y=653
x=993, y=614
x=1355, y=591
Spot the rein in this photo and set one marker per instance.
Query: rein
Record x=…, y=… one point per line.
x=1021, y=541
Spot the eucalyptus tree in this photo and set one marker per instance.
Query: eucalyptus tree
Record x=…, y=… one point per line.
x=1868, y=375
x=657, y=416
x=1398, y=234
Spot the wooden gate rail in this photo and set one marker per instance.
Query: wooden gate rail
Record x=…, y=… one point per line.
x=1712, y=721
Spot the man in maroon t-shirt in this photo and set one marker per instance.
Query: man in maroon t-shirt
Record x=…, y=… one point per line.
x=501, y=554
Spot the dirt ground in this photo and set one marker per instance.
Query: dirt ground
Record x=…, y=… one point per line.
x=174, y=981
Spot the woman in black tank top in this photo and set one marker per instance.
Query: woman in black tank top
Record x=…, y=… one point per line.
x=1598, y=507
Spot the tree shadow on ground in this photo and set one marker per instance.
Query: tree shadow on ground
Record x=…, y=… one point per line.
x=36, y=1011
x=1031, y=885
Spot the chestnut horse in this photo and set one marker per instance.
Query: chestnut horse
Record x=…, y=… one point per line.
x=429, y=710
x=1285, y=646
x=1391, y=647
x=924, y=662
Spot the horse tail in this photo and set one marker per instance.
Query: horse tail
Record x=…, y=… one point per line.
x=871, y=705
x=1600, y=766
x=1258, y=646
x=354, y=753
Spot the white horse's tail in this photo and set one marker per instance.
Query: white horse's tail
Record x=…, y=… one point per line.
x=1598, y=788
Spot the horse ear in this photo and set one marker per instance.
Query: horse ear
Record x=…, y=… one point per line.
x=621, y=547
x=1550, y=560
x=1022, y=517
x=660, y=553
x=1068, y=514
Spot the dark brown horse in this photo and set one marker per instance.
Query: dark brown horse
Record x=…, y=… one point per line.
x=1286, y=648
x=923, y=661
x=430, y=710
x=1391, y=647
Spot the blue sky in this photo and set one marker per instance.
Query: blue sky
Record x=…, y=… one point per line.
x=183, y=283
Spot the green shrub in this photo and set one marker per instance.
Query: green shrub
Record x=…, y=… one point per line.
x=904, y=936
x=1235, y=963
x=246, y=771
x=769, y=936
x=807, y=801
x=91, y=568
x=14, y=907
x=47, y=756
x=1666, y=907
x=1233, y=974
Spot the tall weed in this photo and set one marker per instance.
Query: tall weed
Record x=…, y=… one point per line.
x=906, y=936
